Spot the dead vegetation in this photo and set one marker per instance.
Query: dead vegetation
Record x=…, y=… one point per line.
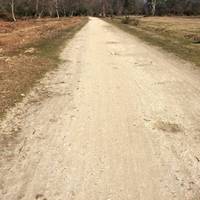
x=167, y=126
x=28, y=49
x=16, y=35
x=179, y=35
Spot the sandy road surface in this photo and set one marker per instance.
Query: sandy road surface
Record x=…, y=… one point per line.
x=119, y=120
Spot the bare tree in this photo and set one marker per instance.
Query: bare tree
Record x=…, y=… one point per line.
x=57, y=9
x=12, y=4
x=36, y=8
x=153, y=5
x=103, y=8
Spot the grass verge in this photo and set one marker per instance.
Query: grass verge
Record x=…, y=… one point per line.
x=50, y=48
x=180, y=36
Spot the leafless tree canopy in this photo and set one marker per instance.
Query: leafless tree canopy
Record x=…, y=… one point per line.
x=57, y=8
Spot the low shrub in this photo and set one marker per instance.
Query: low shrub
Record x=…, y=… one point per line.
x=131, y=21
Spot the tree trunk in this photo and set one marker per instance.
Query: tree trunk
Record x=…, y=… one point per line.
x=154, y=2
x=37, y=8
x=57, y=12
x=103, y=8
x=13, y=10
x=40, y=14
x=65, y=14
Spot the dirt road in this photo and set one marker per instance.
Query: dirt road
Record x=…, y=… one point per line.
x=119, y=120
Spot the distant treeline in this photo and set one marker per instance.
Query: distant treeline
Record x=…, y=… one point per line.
x=55, y=8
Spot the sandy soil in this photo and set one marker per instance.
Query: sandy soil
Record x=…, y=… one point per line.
x=118, y=120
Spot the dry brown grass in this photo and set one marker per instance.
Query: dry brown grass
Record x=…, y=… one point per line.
x=17, y=73
x=16, y=35
x=183, y=27
x=19, y=70
x=167, y=126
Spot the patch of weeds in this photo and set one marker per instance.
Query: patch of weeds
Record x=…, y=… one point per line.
x=167, y=126
x=125, y=20
x=131, y=21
